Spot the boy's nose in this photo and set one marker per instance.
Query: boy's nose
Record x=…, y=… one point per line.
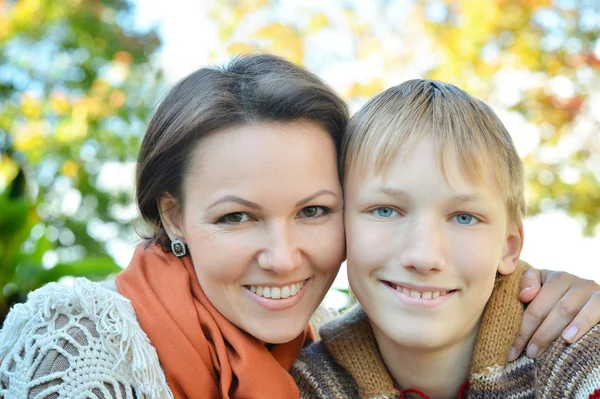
x=281, y=254
x=423, y=247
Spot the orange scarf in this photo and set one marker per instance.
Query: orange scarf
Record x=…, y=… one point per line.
x=202, y=353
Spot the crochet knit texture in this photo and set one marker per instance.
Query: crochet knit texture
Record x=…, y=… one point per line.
x=83, y=342
x=79, y=342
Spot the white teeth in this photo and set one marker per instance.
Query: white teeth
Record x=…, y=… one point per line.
x=417, y=294
x=277, y=292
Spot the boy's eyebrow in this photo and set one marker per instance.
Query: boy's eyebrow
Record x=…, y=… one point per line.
x=393, y=192
x=466, y=198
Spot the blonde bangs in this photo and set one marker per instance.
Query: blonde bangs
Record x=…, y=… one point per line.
x=462, y=128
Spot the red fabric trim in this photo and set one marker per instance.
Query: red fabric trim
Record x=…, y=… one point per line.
x=595, y=395
x=462, y=392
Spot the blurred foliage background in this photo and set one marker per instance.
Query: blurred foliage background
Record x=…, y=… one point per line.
x=78, y=82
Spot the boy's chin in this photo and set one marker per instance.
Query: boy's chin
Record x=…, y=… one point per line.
x=423, y=338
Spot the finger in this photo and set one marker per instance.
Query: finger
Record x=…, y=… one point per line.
x=530, y=284
x=554, y=288
x=565, y=311
x=586, y=319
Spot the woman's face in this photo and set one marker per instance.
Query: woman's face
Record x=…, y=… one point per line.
x=262, y=218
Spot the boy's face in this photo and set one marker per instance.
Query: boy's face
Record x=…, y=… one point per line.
x=423, y=250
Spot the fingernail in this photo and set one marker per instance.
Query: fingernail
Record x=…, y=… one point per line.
x=525, y=289
x=532, y=351
x=512, y=355
x=571, y=333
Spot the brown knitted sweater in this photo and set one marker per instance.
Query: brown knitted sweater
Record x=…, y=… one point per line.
x=346, y=362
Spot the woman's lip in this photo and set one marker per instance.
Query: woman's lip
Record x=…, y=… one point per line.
x=279, y=304
x=420, y=302
x=279, y=285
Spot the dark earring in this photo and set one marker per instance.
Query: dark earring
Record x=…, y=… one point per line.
x=178, y=247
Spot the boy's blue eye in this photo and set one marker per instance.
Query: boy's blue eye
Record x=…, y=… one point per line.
x=384, y=212
x=465, y=219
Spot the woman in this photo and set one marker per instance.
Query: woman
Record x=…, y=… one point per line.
x=237, y=175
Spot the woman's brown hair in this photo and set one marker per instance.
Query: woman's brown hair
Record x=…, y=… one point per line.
x=256, y=88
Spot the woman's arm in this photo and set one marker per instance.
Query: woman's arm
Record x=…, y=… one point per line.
x=559, y=304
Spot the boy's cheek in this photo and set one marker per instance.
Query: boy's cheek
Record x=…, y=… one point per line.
x=365, y=243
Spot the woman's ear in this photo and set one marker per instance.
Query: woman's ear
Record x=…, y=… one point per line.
x=170, y=215
x=512, y=249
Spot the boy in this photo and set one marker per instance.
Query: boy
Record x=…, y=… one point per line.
x=434, y=201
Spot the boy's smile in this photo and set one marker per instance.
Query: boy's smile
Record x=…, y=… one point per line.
x=424, y=248
x=416, y=295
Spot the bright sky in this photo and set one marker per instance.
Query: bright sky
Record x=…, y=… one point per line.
x=553, y=240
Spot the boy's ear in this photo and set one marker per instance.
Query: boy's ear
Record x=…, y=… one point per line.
x=512, y=249
x=170, y=215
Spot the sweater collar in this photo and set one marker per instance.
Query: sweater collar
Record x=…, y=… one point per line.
x=350, y=340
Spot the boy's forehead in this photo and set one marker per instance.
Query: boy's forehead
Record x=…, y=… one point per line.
x=411, y=160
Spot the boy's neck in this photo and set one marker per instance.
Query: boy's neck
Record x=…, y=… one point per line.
x=437, y=372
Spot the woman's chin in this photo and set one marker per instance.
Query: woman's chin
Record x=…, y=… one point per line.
x=277, y=334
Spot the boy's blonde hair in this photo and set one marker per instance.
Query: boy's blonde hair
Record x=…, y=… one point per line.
x=456, y=121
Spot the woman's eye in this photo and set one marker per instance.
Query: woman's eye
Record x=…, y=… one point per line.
x=234, y=218
x=313, y=211
x=465, y=219
x=384, y=212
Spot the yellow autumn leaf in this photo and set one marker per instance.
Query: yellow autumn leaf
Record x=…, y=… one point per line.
x=90, y=108
x=8, y=170
x=59, y=103
x=5, y=23
x=252, y=5
x=69, y=168
x=282, y=40
x=100, y=87
x=368, y=46
x=31, y=106
x=71, y=130
x=358, y=28
x=317, y=23
x=368, y=89
x=123, y=57
x=272, y=31
x=240, y=48
x=29, y=135
x=536, y=3
x=25, y=11
x=117, y=98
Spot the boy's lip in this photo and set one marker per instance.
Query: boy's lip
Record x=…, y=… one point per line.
x=416, y=287
x=423, y=299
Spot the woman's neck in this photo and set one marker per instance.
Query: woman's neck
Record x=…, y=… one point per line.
x=438, y=372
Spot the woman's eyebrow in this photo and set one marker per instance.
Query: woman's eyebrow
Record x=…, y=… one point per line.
x=239, y=200
x=315, y=195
